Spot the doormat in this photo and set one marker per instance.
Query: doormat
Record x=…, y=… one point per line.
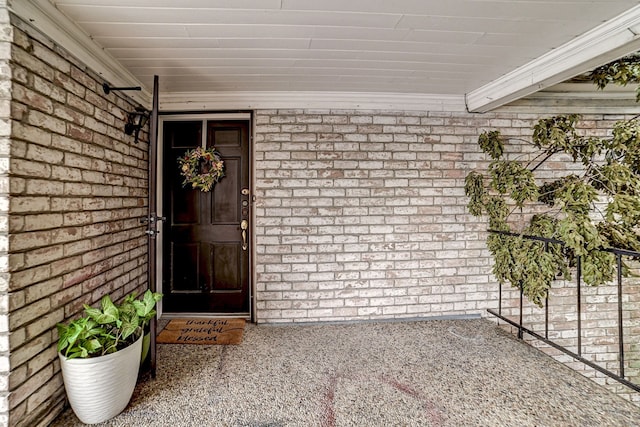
x=202, y=331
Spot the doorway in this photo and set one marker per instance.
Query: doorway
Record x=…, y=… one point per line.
x=206, y=242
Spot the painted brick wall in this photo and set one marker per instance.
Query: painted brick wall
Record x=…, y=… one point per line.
x=78, y=187
x=362, y=215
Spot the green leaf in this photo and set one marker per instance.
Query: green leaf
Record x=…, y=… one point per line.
x=575, y=196
x=510, y=177
x=63, y=337
x=92, y=312
x=78, y=352
x=491, y=142
x=624, y=209
x=598, y=267
x=557, y=133
x=497, y=210
x=93, y=345
x=474, y=189
x=110, y=311
x=75, y=331
x=620, y=72
x=129, y=327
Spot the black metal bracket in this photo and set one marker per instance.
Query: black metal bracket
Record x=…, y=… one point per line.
x=108, y=89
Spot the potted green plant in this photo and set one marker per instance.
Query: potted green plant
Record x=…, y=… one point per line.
x=100, y=355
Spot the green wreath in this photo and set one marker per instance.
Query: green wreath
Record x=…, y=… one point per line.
x=201, y=168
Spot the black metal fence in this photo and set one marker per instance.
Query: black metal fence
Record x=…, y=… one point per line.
x=619, y=254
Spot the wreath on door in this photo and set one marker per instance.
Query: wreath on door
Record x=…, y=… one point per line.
x=201, y=168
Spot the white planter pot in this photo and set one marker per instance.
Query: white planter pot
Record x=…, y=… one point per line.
x=99, y=388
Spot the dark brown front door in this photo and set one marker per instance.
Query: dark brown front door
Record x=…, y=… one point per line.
x=206, y=240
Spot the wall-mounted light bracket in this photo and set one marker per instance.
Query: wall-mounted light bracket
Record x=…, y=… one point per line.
x=108, y=89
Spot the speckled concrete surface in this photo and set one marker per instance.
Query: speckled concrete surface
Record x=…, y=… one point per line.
x=430, y=373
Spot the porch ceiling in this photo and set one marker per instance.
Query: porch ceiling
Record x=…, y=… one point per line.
x=453, y=47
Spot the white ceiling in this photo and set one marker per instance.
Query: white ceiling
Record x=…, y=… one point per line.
x=447, y=47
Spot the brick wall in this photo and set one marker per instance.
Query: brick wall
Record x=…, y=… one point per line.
x=77, y=191
x=362, y=215
x=6, y=35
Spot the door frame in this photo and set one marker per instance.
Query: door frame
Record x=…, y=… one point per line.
x=246, y=116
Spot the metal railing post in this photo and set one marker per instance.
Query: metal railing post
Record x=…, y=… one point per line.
x=579, y=303
x=546, y=303
x=620, y=324
x=520, y=331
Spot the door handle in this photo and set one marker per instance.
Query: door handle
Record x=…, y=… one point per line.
x=243, y=226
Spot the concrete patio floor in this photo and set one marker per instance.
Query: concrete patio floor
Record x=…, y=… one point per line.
x=422, y=373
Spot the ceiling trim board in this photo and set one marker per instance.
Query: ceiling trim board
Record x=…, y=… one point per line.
x=607, y=42
x=195, y=101
x=568, y=90
x=55, y=25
